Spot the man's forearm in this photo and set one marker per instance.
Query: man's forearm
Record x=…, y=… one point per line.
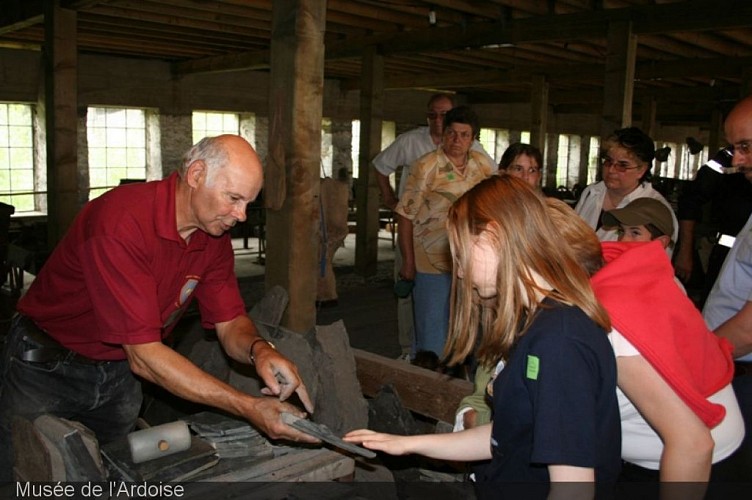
x=168, y=369
x=388, y=197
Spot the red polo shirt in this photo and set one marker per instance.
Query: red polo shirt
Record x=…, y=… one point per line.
x=123, y=275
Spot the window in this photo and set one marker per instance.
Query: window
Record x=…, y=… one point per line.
x=212, y=123
x=117, y=147
x=356, y=148
x=593, y=159
x=17, y=156
x=489, y=143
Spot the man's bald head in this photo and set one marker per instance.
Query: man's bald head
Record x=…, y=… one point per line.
x=738, y=128
x=219, y=152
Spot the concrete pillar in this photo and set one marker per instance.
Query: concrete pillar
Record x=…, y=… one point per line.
x=175, y=138
x=259, y=136
x=342, y=163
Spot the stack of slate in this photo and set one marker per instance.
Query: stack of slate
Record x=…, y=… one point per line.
x=231, y=437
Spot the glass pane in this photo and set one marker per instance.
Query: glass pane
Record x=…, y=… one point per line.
x=115, y=174
x=116, y=118
x=199, y=120
x=136, y=157
x=97, y=157
x=22, y=180
x=135, y=118
x=20, y=136
x=24, y=203
x=116, y=137
x=97, y=177
x=97, y=137
x=116, y=157
x=4, y=181
x=214, y=121
x=96, y=117
x=19, y=114
x=136, y=137
x=21, y=158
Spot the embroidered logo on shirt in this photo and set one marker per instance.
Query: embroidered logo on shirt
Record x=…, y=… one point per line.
x=183, y=298
x=533, y=365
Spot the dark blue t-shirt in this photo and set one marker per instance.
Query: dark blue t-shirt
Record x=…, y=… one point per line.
x=555, y=401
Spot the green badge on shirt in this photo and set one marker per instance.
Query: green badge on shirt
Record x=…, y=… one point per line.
x=533, y=365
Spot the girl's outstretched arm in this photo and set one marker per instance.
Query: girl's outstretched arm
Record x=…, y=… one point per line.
x=466, y=446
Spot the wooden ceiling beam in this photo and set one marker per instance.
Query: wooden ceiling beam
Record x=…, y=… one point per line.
x=19, y=14
x=235, y=33
x=385, y=13
x=481, y=9
x=189, y=18
x=720, y=67
x=216, y=64
x=567, y=27
x=648, y=19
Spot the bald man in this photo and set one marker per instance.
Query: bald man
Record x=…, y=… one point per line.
x=728, y=309
x=93, y=321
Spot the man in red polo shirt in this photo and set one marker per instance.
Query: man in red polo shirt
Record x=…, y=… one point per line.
x=94, y=319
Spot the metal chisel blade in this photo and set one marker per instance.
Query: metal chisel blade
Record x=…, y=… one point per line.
x=323, y=433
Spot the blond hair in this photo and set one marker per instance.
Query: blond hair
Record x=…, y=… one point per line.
x=519, y=226
x=580, y=237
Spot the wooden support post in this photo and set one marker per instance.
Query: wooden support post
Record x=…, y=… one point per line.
x=423, y=391
x=367, y=195
x=550, y=158
x=539, y=112
x=648, y=116
x=619, y=78
x=582, y=174
x=716, y=132
x=291, y=187
x=61, y=100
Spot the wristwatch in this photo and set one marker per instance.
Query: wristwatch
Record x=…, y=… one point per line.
x=253, y=344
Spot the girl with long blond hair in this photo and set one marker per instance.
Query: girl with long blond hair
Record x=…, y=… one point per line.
x=555, y=412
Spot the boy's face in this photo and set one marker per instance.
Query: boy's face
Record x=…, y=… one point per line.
x=640, y=233
x=634, y=233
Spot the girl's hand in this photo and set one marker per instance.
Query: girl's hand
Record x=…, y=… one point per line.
x=388, y=443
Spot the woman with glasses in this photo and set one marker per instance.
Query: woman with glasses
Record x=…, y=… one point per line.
x=523, y=161
x=436, y=180
x=626, y=163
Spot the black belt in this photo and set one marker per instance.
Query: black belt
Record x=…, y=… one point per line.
x=48, y=349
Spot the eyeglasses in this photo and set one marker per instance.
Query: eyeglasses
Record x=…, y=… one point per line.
x=432, y=115
x=452, y=134
x=743, y=147
x=619, y=166
x=519, y=169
